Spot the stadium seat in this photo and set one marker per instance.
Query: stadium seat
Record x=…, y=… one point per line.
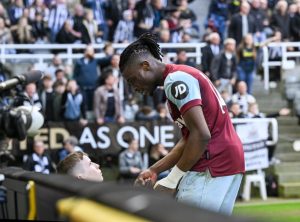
x=255, y=178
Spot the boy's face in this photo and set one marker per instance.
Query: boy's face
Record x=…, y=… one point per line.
x=91, y=170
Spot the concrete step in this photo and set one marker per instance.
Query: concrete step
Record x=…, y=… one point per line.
x=288, y=157
x=284, y=147
x=289, y=190
x=288, y=128
x=286, y=167
x=282, y=137
x=292, y=177
x=287, y=120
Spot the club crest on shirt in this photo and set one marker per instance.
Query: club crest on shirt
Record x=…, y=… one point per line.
x=179, y=90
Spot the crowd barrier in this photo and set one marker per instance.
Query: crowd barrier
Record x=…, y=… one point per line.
x=56, y=197
x=40, y=53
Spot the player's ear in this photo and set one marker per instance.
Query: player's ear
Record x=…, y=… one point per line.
x=145, y=66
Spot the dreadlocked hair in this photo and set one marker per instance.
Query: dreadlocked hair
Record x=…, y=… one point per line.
x=145, y=43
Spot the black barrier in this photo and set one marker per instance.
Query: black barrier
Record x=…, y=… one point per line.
x=156, y=206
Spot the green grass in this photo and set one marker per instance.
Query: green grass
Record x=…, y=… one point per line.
x=273, y=212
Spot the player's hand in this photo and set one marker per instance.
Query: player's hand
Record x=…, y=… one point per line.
x=159, y=187
x=146, y=178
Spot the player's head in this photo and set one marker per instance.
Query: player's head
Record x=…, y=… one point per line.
x=140, y=64
x=79, y=165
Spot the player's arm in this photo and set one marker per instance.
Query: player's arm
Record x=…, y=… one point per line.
x=194, y=147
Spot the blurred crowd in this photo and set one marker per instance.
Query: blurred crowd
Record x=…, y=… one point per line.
x=93, y=90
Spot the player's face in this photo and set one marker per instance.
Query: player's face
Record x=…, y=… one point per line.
x=141, y=78
x=91, y=170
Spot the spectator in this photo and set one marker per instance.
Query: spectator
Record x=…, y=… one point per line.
x=163, y=114
x=86, y=74
x=182, y=58
x=60, y=76
x=223, y=70
x=218, y=16
x=59, y=89
x=55, y=64
x=211, y=50
x=253, y=112
x=125, y=28
x=281, y=20
x=73, y=104
x=5, y=34
x=47, y=98
x=242, y=97
x=260, y=17
x=79, y=165
x=57, y=16
x=173, y=19
x=164, y=36
x=107, y=103
x=113, y=14
x=92, y=28
x=144, y=20
x=39, y=7
x=235, y=111
x=15, y=11
x=158, y=12
x=241, y=23
x=78, y=24
x=32, y=96
x=130, y=110
x=146, y=113
x=67, y=34
x=246, y=56
x=69, y=146
x=227, y=98
x=130, y=161
x=187, y=13
x=97, y=6
x=38, y=161
x=22, y=32
x=295, y=25
x=157, y=152
x=39, y=30
x=120, y=84
x=4, y=15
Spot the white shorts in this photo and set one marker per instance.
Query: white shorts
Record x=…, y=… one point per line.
x=217, y=194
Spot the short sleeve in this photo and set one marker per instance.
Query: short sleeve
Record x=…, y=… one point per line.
x=183, y=90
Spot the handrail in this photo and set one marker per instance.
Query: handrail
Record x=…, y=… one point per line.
x=70, y=54
x=285, y=62
x=272, y=121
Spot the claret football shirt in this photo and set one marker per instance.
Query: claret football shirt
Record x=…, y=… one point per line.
x=186, y=87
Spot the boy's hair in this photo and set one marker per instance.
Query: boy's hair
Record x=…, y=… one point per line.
x=144, y=44
x=66, y=165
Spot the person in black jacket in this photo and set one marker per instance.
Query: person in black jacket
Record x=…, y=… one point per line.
x=211, y=50
x=241, y=23
x=223, y=68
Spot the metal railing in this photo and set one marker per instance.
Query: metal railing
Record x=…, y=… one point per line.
x=69, y=51
x=285, y=63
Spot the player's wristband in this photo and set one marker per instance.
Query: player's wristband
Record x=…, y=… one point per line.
x=172, y=179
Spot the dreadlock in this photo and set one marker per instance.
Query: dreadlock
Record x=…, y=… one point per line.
x=145, y=43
